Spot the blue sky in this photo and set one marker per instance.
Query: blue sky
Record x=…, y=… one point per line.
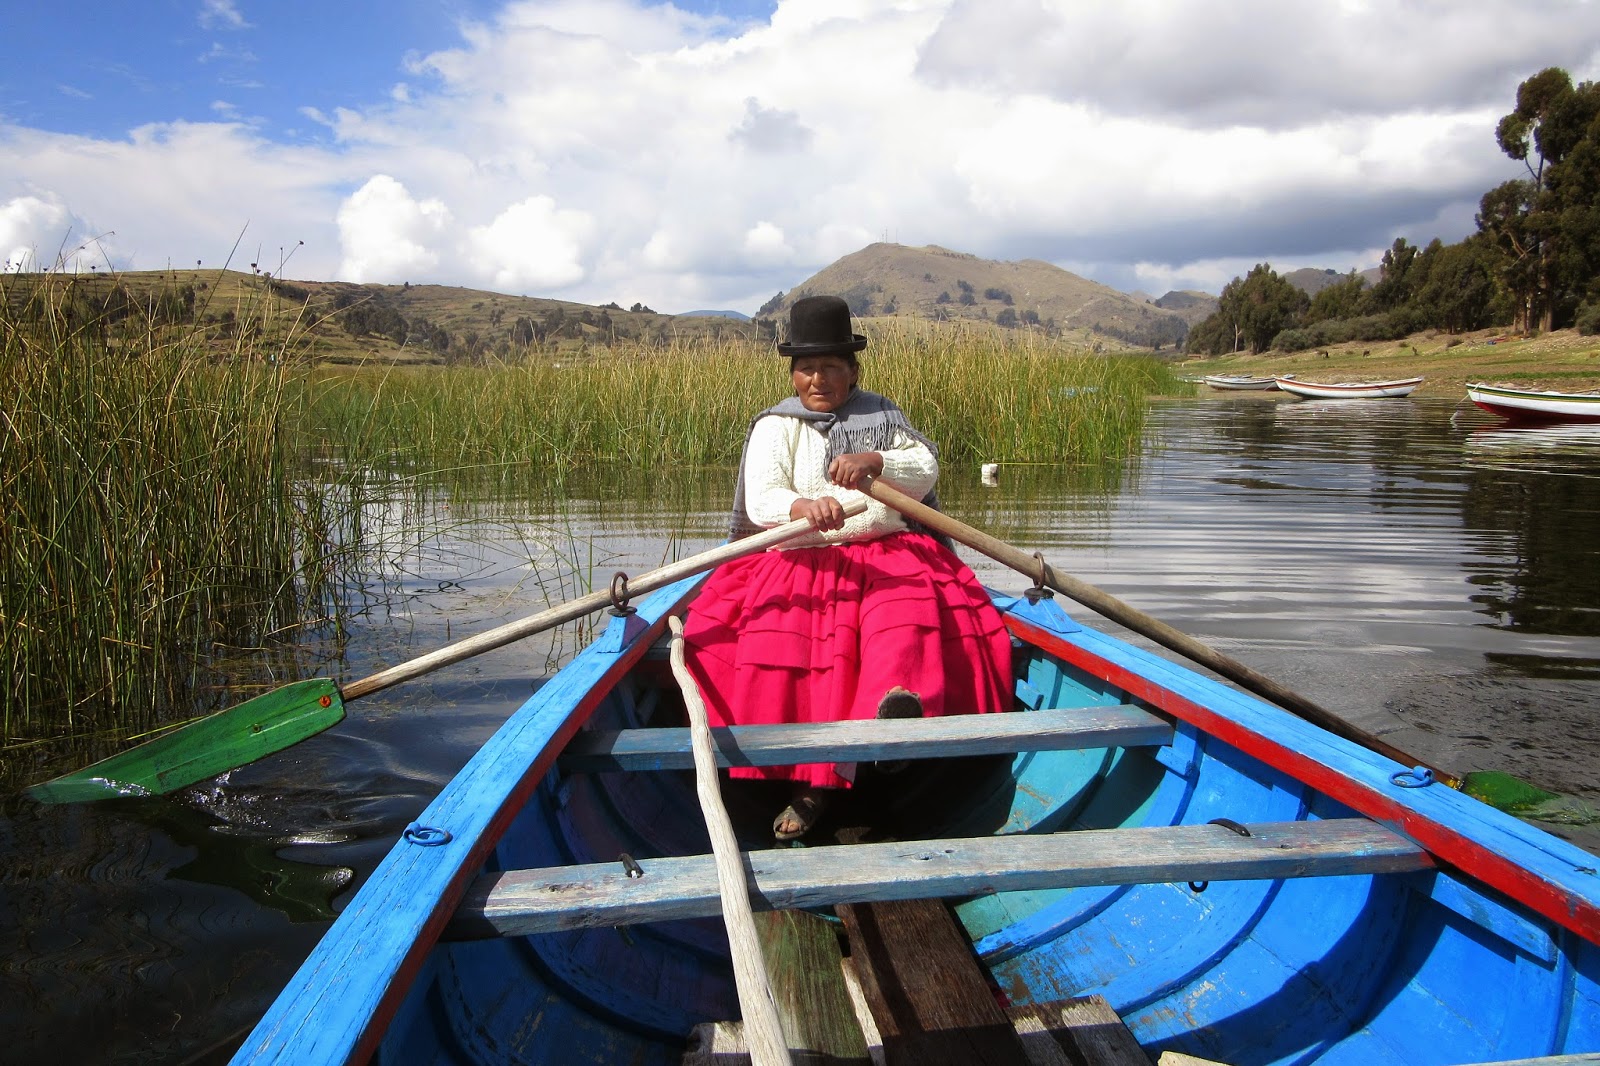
x=164, y=60
x=713, y=153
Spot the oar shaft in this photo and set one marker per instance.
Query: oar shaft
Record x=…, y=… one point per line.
x=1123, y=614
x=584, y=605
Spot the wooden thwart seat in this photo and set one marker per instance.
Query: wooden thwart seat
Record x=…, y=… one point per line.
x=517, y=902
x=1118, y=725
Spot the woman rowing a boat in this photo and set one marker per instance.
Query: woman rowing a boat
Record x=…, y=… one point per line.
x=865, y=618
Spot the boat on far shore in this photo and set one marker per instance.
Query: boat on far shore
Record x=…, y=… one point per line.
x=1348, y=390
x=1531, y=405
x=1238, y=381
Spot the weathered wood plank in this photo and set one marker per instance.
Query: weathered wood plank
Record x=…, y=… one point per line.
x=1175, y=1058
x=948, y=736
x=517, y=902
x=924, y=988
x=1072, y=1031
x=804, y=968
x=802, y=956
x=717, y=1044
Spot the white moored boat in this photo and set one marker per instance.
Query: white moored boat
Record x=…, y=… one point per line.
x=1348, y=390
x=1238, y=381
x=1532, y=405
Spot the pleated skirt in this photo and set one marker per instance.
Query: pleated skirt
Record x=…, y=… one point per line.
x=820, y=634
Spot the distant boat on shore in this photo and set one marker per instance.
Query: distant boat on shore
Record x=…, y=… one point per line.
x=1349, y=390
x=1237, y=382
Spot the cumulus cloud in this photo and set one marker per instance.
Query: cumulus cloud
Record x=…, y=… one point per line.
x=1259, y=62
x=767, y=129
x=386, y=235
x=34, y=234
x=613, y=149
x=766, y=242
x=531, y=245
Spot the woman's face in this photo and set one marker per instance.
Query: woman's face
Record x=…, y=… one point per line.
x=823, y=382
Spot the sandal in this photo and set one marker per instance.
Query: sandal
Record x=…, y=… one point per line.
x=803, y=811
x=898, y=702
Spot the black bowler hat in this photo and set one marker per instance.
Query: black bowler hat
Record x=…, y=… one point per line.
x=820, y=325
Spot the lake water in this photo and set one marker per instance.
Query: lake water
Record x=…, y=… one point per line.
x=1410, y=564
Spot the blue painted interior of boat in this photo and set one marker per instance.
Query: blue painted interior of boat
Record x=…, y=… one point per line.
x=1418, y=968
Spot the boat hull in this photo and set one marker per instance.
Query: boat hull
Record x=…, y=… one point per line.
x=1527, y=405
x=1354, y=390
x=1486, y=952
x=1236, y=383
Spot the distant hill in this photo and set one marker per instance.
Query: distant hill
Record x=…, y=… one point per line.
x=937, y=283
x=1311, y=280
x=740, y=315
x=1192, y=306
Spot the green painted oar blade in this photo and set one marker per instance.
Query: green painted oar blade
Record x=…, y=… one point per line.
x=1513, y=795
x=216, y=743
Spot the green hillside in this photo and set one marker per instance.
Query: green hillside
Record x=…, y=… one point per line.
x=344, y=322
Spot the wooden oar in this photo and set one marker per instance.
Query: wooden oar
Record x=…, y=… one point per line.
x=1499, y=789
x=275, y=720
x=763, y=1027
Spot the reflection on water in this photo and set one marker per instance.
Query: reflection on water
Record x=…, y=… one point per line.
x=1572, y=448
x=1414, y=565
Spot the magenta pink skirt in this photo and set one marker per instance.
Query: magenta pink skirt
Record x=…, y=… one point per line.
x=820, y=634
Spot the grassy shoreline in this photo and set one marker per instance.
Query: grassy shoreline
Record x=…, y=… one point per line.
x=1562, y=360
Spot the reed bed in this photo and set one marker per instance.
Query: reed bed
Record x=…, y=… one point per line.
x=147, y=515
x=983, y=395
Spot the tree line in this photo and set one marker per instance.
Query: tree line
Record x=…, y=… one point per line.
x=1533, y=265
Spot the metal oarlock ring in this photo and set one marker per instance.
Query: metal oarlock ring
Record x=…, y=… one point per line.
x=619, y=594
x=1039, y=592
x=1416, y=777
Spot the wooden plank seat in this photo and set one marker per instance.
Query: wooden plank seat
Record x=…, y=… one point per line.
x=516, y=902
x=1106, y=726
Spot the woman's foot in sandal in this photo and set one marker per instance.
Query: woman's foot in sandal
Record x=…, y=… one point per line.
x=795, y=820
x=898, y=702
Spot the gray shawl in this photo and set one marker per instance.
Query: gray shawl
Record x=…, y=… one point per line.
x=865, y=422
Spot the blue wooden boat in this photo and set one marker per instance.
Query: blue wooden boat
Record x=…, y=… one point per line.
x=1240, y=885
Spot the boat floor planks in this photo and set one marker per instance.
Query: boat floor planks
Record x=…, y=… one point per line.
x=1072, y=1031
x=923, y=986
x=519, y=902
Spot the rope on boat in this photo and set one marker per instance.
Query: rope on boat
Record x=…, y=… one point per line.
x=763, y=1033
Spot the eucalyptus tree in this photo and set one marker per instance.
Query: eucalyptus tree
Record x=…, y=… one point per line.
x=1547, y=224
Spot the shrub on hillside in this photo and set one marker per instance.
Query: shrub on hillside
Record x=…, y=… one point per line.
x=1295, y=340
x=1588, y=321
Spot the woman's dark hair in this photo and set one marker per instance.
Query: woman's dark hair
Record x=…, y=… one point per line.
x=849, y=359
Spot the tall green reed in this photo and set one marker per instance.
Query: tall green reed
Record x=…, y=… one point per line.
x=982, y=394
x=147, y=516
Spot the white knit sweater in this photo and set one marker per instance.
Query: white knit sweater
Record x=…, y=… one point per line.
x=787, y=459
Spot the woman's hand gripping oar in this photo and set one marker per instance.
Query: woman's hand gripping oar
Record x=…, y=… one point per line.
x=1494, y=787
x=285, y=716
